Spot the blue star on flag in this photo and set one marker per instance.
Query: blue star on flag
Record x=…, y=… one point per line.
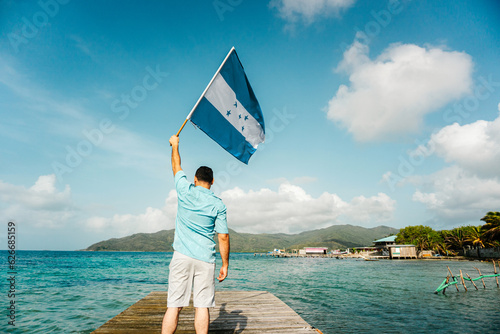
x=228, y=113
x=246, y=117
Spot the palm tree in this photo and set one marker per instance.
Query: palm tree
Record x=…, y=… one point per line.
x=475, y=236
x=492, y=227
x=429, y=240
x=422, y=242
x=456, y=238
x=493, y=244
x=444, y=248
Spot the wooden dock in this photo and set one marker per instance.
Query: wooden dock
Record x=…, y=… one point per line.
x=235, y=312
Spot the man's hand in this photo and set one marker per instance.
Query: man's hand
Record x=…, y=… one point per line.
x=176, y=158
x=222, y=273
x=174, y=141
x=224, y=254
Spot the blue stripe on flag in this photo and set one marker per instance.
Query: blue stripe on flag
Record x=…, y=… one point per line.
x=235, y=76
x=223, y=133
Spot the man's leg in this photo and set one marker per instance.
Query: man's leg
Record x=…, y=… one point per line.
x=170, y=320
x=201, y=320
x=203, y=295
x=179, y=290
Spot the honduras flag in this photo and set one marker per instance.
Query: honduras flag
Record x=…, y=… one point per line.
x=228, y=111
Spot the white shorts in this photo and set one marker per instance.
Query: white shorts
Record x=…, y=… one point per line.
x=186, y=273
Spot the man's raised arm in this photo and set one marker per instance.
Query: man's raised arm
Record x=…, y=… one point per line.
x=176, y=158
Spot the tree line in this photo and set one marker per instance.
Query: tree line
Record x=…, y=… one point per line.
x=449, y=242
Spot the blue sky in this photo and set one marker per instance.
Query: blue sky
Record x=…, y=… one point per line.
x=377, y=113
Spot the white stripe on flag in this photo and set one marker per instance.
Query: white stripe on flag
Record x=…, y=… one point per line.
x=223, y=98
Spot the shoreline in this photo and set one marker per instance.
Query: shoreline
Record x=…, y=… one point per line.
x=343, y=256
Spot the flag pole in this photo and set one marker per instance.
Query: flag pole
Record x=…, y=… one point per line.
x=203, y=94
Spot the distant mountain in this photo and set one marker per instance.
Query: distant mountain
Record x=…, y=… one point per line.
x=333, y=237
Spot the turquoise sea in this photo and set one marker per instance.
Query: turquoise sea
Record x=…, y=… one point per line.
x=76, y=292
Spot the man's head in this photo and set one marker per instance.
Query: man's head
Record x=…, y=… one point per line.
x=204, y=177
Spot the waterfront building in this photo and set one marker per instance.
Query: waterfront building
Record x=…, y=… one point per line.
x=402, y=252
x=313, y=251
x=384, y=242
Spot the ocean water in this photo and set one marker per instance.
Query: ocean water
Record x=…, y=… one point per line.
x=76, y=292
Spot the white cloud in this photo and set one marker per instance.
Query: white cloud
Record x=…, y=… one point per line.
x=362, y=209
x=42, y=209
x=291, y=210
x=474, y=147
x=288, y=210
x=41, y=196
x=389, y=96
x=456, y=195
x=41, y=205
x=152, y=220
x=309, y=10
x=470, y=187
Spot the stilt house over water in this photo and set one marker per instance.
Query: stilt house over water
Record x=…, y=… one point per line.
x=387, y=246
x=313, y=251
x=402, y=252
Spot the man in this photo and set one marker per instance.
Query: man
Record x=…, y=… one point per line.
x=199, y=214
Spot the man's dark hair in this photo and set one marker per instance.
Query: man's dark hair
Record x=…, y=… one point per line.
x=205, y=174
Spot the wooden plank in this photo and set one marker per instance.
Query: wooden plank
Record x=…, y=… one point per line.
x=236, y=311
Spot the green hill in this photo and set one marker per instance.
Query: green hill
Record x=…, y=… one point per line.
x=336, y=236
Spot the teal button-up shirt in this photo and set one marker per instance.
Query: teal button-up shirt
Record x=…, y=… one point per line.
x=199, y=215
